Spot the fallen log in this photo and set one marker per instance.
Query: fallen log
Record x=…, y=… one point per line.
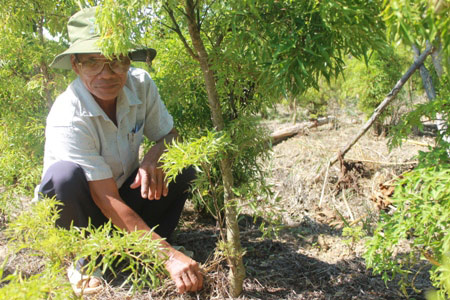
x=285, y=133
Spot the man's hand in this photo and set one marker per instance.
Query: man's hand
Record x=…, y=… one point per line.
x=150, y=177
x=185, y=272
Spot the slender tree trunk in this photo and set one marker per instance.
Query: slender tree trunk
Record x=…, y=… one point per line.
x=437, y=60
x=44, y=68
x=429, y=87
x=426, y=77
x=237, y=269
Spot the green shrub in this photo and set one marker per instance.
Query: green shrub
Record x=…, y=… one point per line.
x=106, y=247
x=422, y=220
x=249, y=150
x=440, y=106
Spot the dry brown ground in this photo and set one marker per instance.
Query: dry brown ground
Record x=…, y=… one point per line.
x=309, y=259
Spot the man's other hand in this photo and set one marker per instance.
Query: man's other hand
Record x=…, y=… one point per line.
x=185, y=272
x=150, y=177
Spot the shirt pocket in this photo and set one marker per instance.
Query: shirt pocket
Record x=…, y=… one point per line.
x=135, y=138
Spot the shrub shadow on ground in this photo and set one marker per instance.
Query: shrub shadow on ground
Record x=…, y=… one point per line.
x=281, y=268
x=278, y=268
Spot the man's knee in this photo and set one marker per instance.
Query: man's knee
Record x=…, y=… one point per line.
x=184, y=180
x=188, y=174
x=62, y=178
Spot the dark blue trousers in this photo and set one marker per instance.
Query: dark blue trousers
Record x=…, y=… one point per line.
x=66, y=181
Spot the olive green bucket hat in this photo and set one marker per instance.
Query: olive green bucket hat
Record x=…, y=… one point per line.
x=83, y=37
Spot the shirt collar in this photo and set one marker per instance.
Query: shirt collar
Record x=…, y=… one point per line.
x=90, y=108
x=125, y=100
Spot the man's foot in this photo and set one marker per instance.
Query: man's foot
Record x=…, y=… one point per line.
x=83, y=284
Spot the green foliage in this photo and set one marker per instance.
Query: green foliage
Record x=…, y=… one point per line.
x=370, y=83
x=354, y=235
x=204, y=154
x=265, y=47
x=35, y=229
x=248, y=151
x=181, y=86
x=422, y=197
x=319, y=102
x=118, y=20
x=421, y=219
x=18, y=170
x=106, y=247
x=419, y=21
x=22, y=120
x=363, y=84
x=50, y=284
x=300, y=41
x=141, y=254
x=442, y=275
x=439, y=108
x=27, y=86
x=205, y=150
x=383, y=72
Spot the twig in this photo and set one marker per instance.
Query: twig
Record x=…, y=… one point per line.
x=391, y=96
x=419, y=143
x=431, y=259
x=357, y=220
x=324, y=183
x=347, y=206
x=383, y=162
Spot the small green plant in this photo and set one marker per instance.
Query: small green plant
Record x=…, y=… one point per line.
x=105, y=247
x=354, y=235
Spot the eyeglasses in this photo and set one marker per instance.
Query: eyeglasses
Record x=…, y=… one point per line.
x=94, y=66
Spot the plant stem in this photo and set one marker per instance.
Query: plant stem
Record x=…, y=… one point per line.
x=237, y=269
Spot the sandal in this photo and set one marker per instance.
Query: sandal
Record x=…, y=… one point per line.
x=78, y=280
x=183, y=250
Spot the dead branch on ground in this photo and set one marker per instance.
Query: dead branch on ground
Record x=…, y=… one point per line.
x=285, y=133
x=391, y=96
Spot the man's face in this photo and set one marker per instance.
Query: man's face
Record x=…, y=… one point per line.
x=106, y=84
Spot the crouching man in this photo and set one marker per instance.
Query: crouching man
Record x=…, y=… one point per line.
x=91, y=162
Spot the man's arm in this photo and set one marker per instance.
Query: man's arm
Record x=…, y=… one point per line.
x=150, y=176
x=184, y=271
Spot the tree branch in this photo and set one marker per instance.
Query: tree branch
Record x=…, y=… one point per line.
x=197, y=13
x=391, y=96
x=167, y=26
x=182, y=12
x=206, y=12
x=178, y=31
x=219, y=40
